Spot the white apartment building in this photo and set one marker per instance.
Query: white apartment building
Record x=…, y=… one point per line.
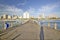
x=26, y=15
x=9, y=17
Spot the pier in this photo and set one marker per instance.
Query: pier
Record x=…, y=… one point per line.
x=31, y=30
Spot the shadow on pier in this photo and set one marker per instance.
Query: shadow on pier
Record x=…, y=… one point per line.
x=41, y=34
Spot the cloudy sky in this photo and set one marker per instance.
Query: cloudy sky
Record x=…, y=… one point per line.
x=34, y=7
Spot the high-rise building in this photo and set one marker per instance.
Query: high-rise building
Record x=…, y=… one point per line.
x=26, y=15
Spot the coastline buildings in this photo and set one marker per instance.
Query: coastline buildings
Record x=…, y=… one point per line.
x=52, y=16
x=27, y=16
x=41, y=16
x=14, y=17
x=5, y=16
x=20, y=17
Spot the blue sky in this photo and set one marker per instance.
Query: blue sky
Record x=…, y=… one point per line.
x=34, y=7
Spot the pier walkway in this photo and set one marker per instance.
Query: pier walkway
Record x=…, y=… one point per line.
x=31, y=31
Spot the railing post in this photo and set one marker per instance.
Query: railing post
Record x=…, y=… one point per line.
x=48, y=24
x=11, y=24
x=4, y=25
x=55, y=26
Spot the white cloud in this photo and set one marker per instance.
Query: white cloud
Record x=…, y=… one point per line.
x=47, y=8
x=10, y=10
x=31, y=10
x=14, y=9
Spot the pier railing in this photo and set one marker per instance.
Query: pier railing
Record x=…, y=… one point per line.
x=53, y=25
x=3, y=24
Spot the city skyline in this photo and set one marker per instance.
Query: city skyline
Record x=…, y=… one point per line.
x=34, y=7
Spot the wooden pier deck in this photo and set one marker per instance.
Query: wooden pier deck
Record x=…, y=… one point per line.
x=31, y=31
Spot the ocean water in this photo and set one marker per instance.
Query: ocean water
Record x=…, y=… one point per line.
x=52, y=23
